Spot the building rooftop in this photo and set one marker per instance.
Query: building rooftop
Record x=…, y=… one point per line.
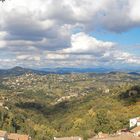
x=68, y=138
x=136, y=129
x=138, y=120
x=14, y=136
x=102, y=135
x=2, y=133
x=123, y=136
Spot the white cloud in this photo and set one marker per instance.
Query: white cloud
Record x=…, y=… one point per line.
x=55, y=56
x=83, y=43
x=2, y=44
x=87, y=50
x=134, y=10
x=30, y=28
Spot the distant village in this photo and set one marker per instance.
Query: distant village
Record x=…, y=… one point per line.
x=59, y=88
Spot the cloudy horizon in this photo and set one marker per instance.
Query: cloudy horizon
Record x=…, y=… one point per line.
x=70, y=33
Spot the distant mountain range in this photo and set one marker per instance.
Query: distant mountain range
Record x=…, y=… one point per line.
x=76, y=70
x=16, y=71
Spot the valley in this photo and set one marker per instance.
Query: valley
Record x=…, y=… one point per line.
x=75, y=104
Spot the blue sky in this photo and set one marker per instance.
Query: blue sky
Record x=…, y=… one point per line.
x=70, y=33
x=128, y=38
x=128, y=41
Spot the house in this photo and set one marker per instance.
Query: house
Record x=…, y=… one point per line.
x=14, y=136
x=68, y=138
x=101, y=135
x=136, y=131
x=123, y=136
x=134, y=122
x=3, y=135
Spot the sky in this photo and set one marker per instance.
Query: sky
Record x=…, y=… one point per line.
x=70, y=33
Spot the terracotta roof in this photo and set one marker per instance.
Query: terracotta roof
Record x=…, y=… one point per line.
x=14, y=136
x=124, y=136
x=2, y=133
x=138, y=120
x=136, y=129
x=68, y=138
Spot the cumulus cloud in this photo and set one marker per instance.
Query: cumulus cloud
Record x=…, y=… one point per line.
x=49, y=33
x=88, y=50
x=83, y=43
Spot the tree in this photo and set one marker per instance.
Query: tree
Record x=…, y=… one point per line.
x=102, y=122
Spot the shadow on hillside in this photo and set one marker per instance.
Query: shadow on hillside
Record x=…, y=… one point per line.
x=45, y=110
x=131, y=96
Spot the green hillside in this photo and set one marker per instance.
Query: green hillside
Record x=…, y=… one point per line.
x=45, y=106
